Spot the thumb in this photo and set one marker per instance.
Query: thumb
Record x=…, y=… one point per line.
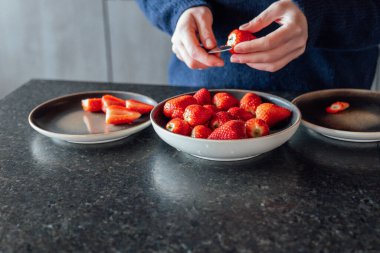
x=264, y=19
x=206, y=35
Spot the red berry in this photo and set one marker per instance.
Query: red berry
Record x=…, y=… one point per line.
x=231, y=130
x=272, y=114
x=108, y=100
x=178, y=126
x=196, y=115
x=203, y=96
x=224, y=101
x=92, y=104
x=219, y=119
x=237, y=36
x=256, y=127
x=249, y=102
x=117, y=115
x=175, y=107
x=201, y=131
x=138, y=106
x=337, y=107
x=239, y=113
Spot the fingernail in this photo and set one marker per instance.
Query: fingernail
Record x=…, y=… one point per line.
x=244, y=26
x=233, y=59
x=209, y=43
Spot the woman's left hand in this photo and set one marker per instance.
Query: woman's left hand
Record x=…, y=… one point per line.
x=275, y=50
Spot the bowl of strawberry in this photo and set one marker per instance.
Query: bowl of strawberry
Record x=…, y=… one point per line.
x=225, y=124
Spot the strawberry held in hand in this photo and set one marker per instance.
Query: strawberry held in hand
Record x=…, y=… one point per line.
x=271, y=113
x=232, y=130
x=237, y=36
x=175, y=107
x=197, y=115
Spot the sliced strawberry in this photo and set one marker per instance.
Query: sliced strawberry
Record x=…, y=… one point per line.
x=256, y=127
x=338, y=106
x=239, y=113
x=175, y=107
x=117, y=115
x=203, y=96
x=272, y=114
x=178, y=126
x=231, y=130
x=197, y=115
x=249, y=102
x=108, y=100
x=224, y=101
x=92, y=104
x=237, y=36
x=138, y=106
x=201, y=132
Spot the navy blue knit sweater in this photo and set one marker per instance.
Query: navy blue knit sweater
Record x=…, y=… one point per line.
x=341, y=52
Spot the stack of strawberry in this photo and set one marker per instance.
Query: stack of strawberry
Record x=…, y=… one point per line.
x=118, y=111
x=222, y=116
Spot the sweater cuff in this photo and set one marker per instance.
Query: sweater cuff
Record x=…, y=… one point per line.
x=182, y=6
x=314, y=16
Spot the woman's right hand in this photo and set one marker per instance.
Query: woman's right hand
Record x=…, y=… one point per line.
x=194, y=29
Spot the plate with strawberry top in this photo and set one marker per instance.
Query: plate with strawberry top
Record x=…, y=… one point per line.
x=93, y=117
x=343, y=114
x=225, y=124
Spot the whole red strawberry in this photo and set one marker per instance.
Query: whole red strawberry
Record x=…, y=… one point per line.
x=201, y=132
x=272, y=114
x=175, y=107
x=237, y=36
x=219, y=119
x=256, y=127
x=196, y=115
x=224, y=101
x=239, y=113
x=231, y=130
x=213, y=108
x=203, y=96
x=178, y=126
x=249, y=102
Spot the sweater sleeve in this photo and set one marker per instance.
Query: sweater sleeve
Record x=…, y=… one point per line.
x=342, y=24
x=165, y=14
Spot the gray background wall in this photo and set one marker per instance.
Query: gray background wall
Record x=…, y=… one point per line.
x=95, y=40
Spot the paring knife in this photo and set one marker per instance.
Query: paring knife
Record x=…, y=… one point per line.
x=220, y=49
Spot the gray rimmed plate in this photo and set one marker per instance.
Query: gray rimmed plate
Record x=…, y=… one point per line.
x=63, y=118
x=359, y=123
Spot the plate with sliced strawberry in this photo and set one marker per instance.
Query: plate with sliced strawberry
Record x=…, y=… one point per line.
x=225, y=124
x=93, y=117
x=343, y=114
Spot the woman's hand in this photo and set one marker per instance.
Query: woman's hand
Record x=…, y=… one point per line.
x=193, y=28
x=275, y=50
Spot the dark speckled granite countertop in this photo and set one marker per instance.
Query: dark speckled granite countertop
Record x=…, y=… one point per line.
x=312, y=194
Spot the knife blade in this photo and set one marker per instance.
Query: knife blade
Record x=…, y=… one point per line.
x=219, y=49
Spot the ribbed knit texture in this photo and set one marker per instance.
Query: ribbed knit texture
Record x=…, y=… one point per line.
x=341, y=52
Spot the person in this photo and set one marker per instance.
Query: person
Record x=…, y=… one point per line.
x=301, y=45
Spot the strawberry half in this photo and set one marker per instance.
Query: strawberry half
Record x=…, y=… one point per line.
x=256, y=127
x=239, y=113
x=197, y=115
x=231, y=130
x=108, y=100
x=117, y=115
x=92, y=104
x=224, y=101
x=201, y=132
x=249, y=102
x=237, y=36
x=138, y=106
x=203, y=96
x=337, y=107
x=178, y=126
x=175, y=107
x=272, y=114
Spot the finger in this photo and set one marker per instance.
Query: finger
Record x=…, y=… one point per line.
x=275, y=66
x=195, y=51
x=264, y=19
x=189, y=61
x=176, y=52
x=268, y=56
x=206, y=35
x=276, y=38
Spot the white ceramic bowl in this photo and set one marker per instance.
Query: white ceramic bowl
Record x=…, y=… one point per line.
x=229, y=150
